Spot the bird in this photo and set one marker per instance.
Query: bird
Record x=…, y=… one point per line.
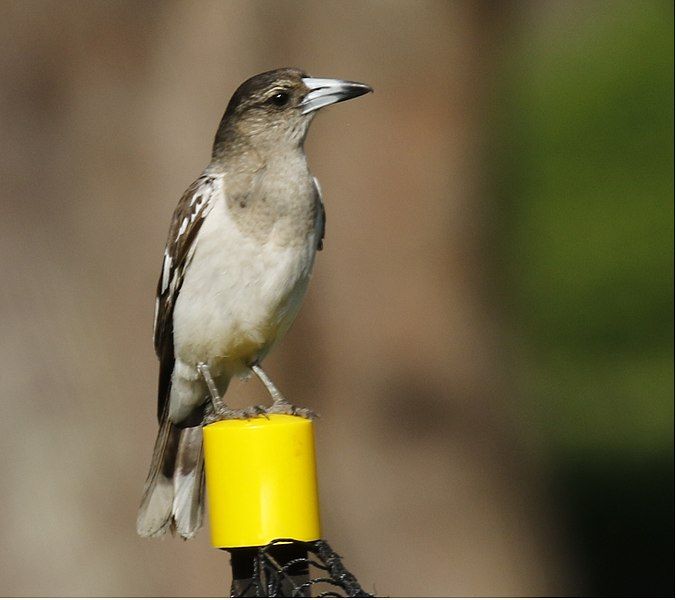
x=236, y=266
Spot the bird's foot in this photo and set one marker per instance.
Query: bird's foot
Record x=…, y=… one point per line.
x=284, y=407
x=224, y=413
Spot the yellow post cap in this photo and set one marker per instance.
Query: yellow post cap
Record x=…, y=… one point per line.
x=261, y=481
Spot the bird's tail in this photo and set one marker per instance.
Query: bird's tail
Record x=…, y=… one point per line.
x=173, y=497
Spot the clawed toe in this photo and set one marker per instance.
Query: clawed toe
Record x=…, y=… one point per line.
x=306, y=413
x=225, y=413
x=255, y=411
x=285, y=408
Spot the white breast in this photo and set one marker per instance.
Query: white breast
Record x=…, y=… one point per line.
x=239, y=294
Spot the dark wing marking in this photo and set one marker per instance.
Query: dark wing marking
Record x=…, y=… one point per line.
x=323, y=217
x=188, y=217
x=323, y=214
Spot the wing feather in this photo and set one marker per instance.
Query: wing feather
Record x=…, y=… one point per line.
x=188, y=217
x=323, y=214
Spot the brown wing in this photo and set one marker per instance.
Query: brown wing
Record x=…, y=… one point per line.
x=188, y=217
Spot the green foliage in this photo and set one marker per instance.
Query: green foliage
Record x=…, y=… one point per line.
x=589, y=192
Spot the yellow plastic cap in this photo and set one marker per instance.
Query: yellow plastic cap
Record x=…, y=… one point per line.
x=261, y=481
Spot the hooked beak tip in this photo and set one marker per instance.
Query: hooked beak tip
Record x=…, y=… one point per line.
x=323, y=92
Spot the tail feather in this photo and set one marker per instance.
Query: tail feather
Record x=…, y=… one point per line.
x=188, y=505
x=173, y=492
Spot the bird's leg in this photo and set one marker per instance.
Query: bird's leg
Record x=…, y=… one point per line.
x=275, y=394
x=281, y=406
x=219, y=410
x=217, y=403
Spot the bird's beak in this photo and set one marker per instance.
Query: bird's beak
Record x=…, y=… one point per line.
x=323, y=92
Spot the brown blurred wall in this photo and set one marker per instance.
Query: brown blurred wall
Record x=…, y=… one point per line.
x=107, y=111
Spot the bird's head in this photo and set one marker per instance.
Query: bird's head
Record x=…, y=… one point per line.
x=273, y=110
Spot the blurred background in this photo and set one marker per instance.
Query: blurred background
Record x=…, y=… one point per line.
x=489, y=332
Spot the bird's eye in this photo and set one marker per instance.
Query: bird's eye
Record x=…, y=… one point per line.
x=279, y=99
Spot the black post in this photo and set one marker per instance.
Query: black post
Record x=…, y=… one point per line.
x=274, y=571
